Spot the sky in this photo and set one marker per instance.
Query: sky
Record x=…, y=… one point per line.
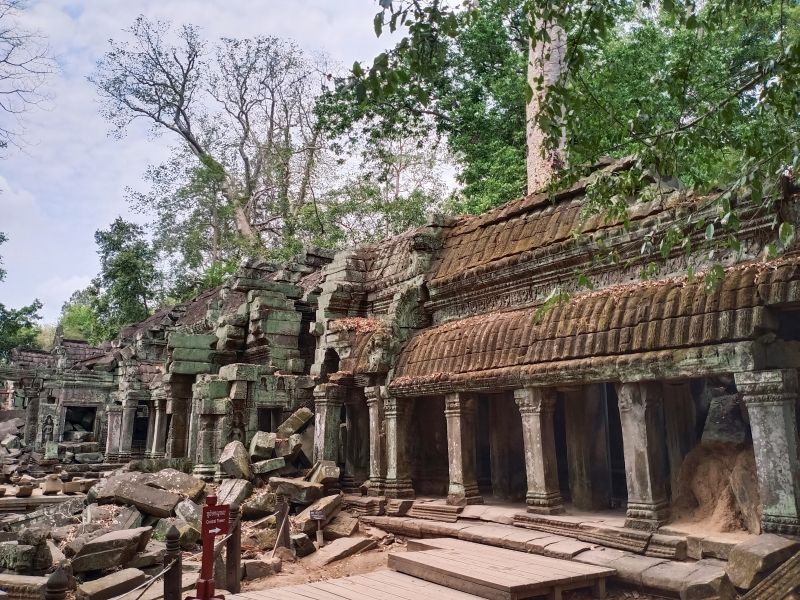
x=69, y=177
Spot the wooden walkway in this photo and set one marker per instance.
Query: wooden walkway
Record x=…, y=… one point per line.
x=497, y=573
x=378, y=585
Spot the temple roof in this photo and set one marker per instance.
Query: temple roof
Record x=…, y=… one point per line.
x=621, y=320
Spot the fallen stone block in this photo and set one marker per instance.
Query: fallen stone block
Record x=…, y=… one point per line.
x=329, y=506
x=297, y=490
x=295, y=423
x=189, y=536
x=235, y=462
x=17, y=557
x=178, y=482
x=708, y=581
x=152, y=556
x=342, y=548
x=260, y=504
x=256, y=569
x=88, y=458
x=110, y=586
x=325, y=472
x=263, y=467
x=340, y=526
x=263, y=539
x=752, y=560
x=262, y=446
x=128, y=517
x=11, y=442
x=111, y=549
x=234, y=491
x=289, y=448
x=190, y=512
x=149, y=500
x=23, y=587
x=302, y=545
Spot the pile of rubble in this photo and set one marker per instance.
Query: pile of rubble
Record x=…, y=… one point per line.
x=12, y=452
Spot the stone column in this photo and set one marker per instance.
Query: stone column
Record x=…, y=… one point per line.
x=375, y=407
x=398, y=468
x=460, y=411
x=586, y=425
x=151, y=428
x=679, y=426
x=537, y=407
x=771, y=400
x=640, y=412
x=160, y=436
x=327, y=418
x=126, y=431
x=114, y=413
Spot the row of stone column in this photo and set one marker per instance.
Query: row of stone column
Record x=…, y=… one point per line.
x=120, y=430
x=771, y=397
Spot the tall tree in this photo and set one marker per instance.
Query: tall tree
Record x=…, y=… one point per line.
x=18, y=328
x=124, y=291
x=242, y=109
x=25, y=64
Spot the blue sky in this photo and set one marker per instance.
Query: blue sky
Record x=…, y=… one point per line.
x=69, y=178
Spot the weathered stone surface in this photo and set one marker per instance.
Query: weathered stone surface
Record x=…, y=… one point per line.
x=110, y=586
x=289, y=448
x=260, y=504
x=234, y=491
x=263, y=467
x=190, y=512
x=105, y=491
x=17, y=557
x=189, y=535
x=128, y=517
x=302, y=545
x=329, y=506
x=752, y=560
x=178, y=482
x=298, y=491
x=87, y=458
x=23, y=587
x=326, y=471
x=295, y=423
x=263, y=539
x=342, y=548
x=340, y=526
x=150, y=501
x=262, y=446
x=725, y=424
x=111, y=549
x=256, y=569
x=235, y=462
x=151, y=556
x=10, y=442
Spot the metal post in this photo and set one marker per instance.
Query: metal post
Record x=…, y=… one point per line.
x=172, y=578
x=56, y=586
x=233, y=552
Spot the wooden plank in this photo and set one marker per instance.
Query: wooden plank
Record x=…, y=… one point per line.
x=336, y=589
x=397, y=591
x=443, y=577
x=496, y=577
x=413, y=585
x=310, y=591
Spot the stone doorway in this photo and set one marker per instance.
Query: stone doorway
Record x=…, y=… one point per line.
x=79, y=423
x=428, y=447
x=141, y=424
x=354, y=439
x=500, y=448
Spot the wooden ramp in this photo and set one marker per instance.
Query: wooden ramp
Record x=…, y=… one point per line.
x=378, y=585
x=496, y=573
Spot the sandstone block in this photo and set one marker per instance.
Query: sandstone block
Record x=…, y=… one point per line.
x=340, y=526
x=302, y=545
x=240, y=371
x=326, y=471
x=152, y=556
x=182, y=340
x=234, y=491
x=329, y=506
x=262, y=446
x=297, y=490
x=289, y=448
x=256, y=569
x=189, y=535
x=342, y=548
x=110, y=586
x=267, y=466
x=111, y=549
x=295, y=423
x=260, y=504
x=23, y=586
x=149, y=500
x=178, y=482
x=185, y=367
x=752, y=560
x=190, y=512
x=235, y=461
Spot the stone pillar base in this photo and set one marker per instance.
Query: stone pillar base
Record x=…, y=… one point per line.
x=205, y=472
x=376, y=487
x=544, y=504
x=780, y=524
x=462, y=495
x=350, y=484
x=647, y=517
x=124, y=457
x=112, y=457
x=398, y=488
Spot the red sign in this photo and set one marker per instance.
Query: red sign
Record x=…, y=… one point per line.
x=216, y=519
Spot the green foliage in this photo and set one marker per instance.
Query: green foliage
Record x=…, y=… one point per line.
x=79, y=318
x=3, y=239
x=18, y=328
x=125, y=289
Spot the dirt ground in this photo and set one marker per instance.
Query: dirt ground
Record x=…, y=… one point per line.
x=301, y=571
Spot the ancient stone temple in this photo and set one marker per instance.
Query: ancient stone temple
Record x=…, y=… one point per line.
x=519, y=354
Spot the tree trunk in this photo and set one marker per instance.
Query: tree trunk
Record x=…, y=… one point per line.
x=545, y=60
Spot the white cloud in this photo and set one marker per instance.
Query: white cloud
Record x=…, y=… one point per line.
x=70, y=178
